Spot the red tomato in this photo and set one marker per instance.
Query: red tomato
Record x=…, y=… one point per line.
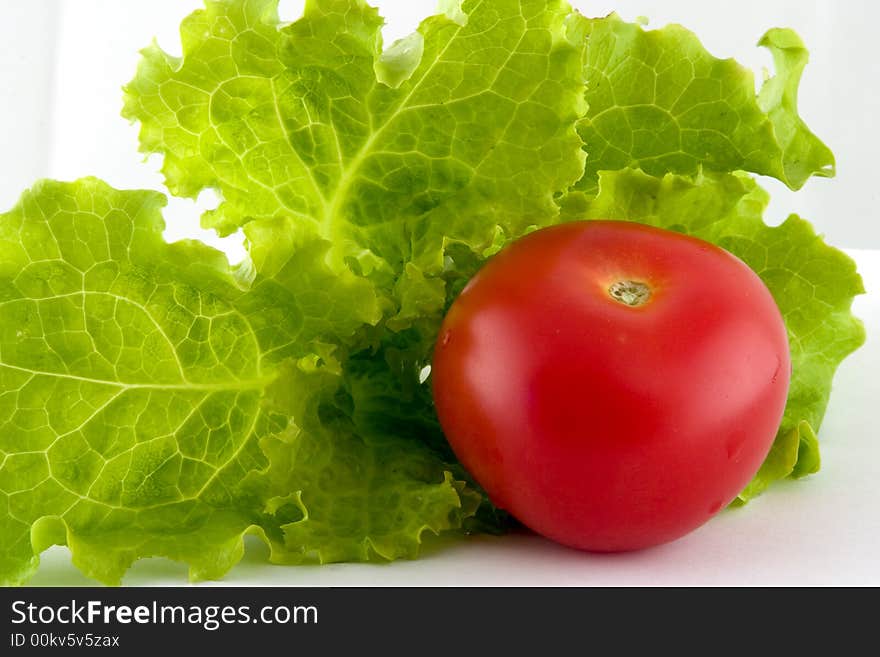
x=610, y=384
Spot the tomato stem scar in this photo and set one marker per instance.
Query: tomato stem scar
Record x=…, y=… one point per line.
x=630, y=293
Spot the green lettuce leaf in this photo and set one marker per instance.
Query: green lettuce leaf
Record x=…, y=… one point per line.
x=661, y=103
x=300, y=123
x=813, y=285
x=130, y=388
x=365, y=472
x=142, y=389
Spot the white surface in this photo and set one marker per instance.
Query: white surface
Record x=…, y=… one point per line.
x=63, y=63
x=823, y=530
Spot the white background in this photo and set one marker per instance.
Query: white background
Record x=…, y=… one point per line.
x=63, y=62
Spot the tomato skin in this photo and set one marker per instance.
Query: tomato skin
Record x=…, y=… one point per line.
x=601, y=425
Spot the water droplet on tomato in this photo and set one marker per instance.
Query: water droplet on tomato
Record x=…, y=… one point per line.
x=445, y=339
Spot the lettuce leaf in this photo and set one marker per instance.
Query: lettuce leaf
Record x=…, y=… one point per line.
x=150, y=406
x=130, y=388
x=365, y=472
x=297, y=122
x=661, y=103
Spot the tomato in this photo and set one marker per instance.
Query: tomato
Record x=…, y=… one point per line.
x=612, y=385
